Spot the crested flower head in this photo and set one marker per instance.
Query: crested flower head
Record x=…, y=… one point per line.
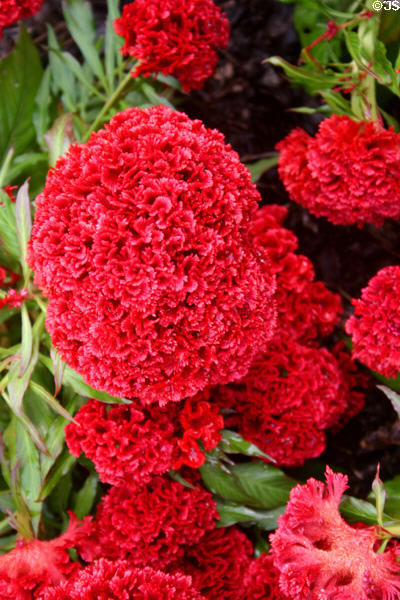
x=349, y=173
x=35, y=563
x=174, y=37
x=321, y=557
x=375, y=325
x=13, y=10
x=119, y=579
x=261, y=581
x=141, y=244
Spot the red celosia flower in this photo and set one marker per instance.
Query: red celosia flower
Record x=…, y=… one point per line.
x=12, y=10
x=13, y=298
x=261, y=581
x=306, y=309
x=141, y=244
x=174, y=37
x=116, y=580
x=151, y=525
x=36, y=563
x=9, y=190
x=349, y=173
x=289, y=397
x=130, y=445
x=320, y=556
x=218, y=563
x=375, y=325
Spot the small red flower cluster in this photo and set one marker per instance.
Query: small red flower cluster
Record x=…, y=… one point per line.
x=11, y=298
x=375, y=325
x=128, y=444
x=13, y=10
x=349, y=173
x=290, y=396
x=116, y=580
x=174, y=37
x=319, y=555
x=261, y=581
x=306, y=309
x=141, y=243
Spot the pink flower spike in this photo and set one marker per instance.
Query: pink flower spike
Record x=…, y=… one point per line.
x=321, y=557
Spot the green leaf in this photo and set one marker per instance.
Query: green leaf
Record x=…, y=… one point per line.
x=313, y=81
x=234, y=443
x=265, y=484
x=41, y=113
x=59, y=469
x=59, y=138
x=8, y=233
x=222, y=484
x=27, y=164
x=75, y=381
x=23, y=224
x=26, y=341
x=392, y=504
x=264, y=164
x=112, y=43
x=62, y=80
x=79, y=18
x=20, y=77
x=51, y=401
x=231, y=513
x=85, y=498
x=393, y=397
x=354, y=509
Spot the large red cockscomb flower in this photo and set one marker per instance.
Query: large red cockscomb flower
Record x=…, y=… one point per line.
x=109, y=580
x=218, y=563
x=141, y=244
x=289, y=397
x=174, y=37
x=13, y=10
x=261, y=581
x=349, y=173
x=36, y=563
x=375, y=325
x=306, y=309
x=320, y=556
x=129, y=445
x=151, y=525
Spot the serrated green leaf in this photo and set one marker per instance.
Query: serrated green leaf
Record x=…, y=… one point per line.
x=8, y=233
x=231, y=513
x=234, y=443
x=79, y=18
x=265, y=484
x=23, y=224
x=20, y=76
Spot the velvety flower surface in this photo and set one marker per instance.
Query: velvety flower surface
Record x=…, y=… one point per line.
x=130, y=445
x=174, y=37
x=218, y=563
x=35, y=563
x=107, y=580
x=151, y=525
x=140, y=241
x=306, y=308
x=289, y=397
x=261, y=581
x=321, y=557
x=375, y=325
x=349, y=173
x=12, y=10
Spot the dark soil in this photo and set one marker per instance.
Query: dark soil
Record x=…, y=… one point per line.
x=249, y=101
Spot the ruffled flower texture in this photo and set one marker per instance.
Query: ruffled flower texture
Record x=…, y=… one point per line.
x=349, y=172
x=291, y=395
x=129, y=445
x=261, y=581
x=218, y=563
x=306, y=308
x=141, y=244
x=13, y=10
x=321, y=557
x=34, y=564
x=375, y=325
x=150, y=526
x=174, y=37
x=107, y=580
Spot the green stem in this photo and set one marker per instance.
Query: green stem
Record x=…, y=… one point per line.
x=124, y=83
